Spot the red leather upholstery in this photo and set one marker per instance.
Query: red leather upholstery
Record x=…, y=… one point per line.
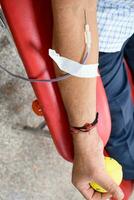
x=30, y=22
x=31, y=25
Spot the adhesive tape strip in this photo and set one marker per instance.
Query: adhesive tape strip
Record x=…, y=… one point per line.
x=74, y=68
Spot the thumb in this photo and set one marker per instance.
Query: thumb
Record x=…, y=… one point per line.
x=105, y=181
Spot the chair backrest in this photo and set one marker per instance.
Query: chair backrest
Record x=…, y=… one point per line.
x=30, y=23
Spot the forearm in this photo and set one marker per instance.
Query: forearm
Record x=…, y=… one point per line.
x=78, y=94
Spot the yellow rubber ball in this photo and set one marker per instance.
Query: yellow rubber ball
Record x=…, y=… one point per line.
x=114, y=170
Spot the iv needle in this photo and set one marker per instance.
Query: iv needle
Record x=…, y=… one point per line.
x=85, y=15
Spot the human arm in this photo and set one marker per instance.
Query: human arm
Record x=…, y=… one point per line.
x=79, y=94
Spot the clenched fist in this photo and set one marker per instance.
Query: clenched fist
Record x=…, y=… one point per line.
x=89, y=166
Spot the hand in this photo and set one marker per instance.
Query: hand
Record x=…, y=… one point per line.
x=89, y=166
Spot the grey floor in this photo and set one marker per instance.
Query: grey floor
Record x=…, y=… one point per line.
x=30, y=167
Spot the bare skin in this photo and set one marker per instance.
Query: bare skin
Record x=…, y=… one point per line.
x=79, y=95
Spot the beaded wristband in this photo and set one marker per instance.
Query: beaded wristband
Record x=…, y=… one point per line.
x=86, y=127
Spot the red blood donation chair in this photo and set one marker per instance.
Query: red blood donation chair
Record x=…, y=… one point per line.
x=30, y=23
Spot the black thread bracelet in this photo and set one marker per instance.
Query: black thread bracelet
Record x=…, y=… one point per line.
x=86, y=127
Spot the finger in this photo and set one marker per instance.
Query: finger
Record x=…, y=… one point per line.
x=96, y=196
x=105, y=196
x=90, y=194
x=86, y=190
x=109, y=185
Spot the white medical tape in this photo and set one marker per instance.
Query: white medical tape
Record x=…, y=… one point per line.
x=87, y=37
x=74, y=68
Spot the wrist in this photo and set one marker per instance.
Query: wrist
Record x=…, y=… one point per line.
x=83, y=143
x=81, y=136
x=84, y=139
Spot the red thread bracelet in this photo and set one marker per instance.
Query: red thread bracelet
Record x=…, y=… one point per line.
x=86, y=127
